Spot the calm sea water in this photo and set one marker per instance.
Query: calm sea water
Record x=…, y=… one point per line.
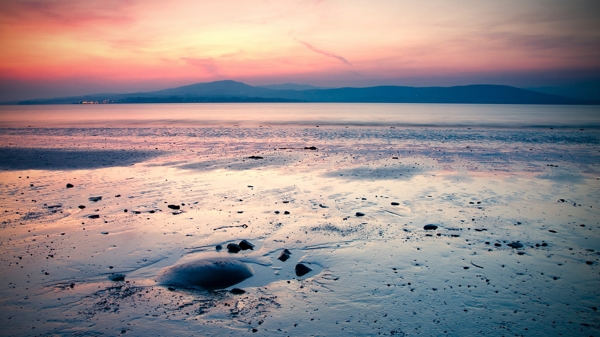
x=303, y=114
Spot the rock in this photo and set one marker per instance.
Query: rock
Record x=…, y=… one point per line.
x=70, y=185
x=209, y=274
x=395, y=203
x=323, y=206
x=302, y=270
x=233, y=248
x=93, y=216
x=589, y=262
x=104, y=233
x=255, y=157
x=310, y=148
x=515, y=245
x=218, y=248
x=245, y=245
x=117, y=277
x=360, y=214
x=174, y=206
x=497, y=244
x=430, y=227
x=95, y=199
x=81, y=206
x=285, y=255
x=286, y=212
x=237, y=291
x=276, y=212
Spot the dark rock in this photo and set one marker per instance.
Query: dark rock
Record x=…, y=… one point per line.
x=95, y=199
x=589, y=262
x=174, y=206
x=544, y=244
x=117, y=196
x=104, y=233
x=497, y=244
x=117, y=277
x=245, y=245
x=93, y=216
x=81, y=206
x=237, y=291
x=125, y=210
x=302, y=270
x=310, y=148
x=285, y=255
x=170, y=289
x=430, y=227
x=323, y=206
x=551, y=231
x=276, y=212
x=255, y=157
x=218, y=248
x=515, y=245
x=69, y=185
x=286, y=212
x=233, y=248
x=395, y=203
x=360, y=214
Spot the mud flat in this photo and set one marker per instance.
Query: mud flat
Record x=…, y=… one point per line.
x=400, y=231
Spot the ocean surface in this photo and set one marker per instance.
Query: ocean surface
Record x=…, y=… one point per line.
x=412, y=219
x=290, y=114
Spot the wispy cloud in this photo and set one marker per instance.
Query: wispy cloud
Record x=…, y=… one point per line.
x=323, y=52
x=207, y=64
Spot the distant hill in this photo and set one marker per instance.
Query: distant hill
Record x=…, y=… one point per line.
x=290, y=86
x=232, y=91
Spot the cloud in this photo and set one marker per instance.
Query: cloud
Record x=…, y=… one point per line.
x=323, y=52
x=207, y=64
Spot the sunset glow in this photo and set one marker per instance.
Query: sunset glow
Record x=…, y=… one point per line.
x=67, y=47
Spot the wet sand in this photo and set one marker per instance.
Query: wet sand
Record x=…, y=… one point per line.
x=515, y=251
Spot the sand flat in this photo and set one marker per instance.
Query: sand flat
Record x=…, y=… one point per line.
x=380, y=273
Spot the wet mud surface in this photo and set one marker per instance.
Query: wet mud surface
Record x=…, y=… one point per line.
x=399, y=231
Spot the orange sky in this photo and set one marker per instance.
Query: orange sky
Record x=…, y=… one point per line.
x=68, y=47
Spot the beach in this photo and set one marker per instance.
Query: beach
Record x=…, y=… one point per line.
x=514, y=249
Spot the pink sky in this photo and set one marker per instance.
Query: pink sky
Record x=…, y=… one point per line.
x=67, y=47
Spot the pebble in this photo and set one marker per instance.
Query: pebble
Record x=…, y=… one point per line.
x=302, y=270
x=95, y=199
x=285, y=255
x=117, y=277
x=233, y=248
x=395, y=203
x=430, y=227
x=69, y=185
x=515, y=245
x=237, y=291
x=218, y=248
x=174, y=206
x=360, y=214
x=81, y=206
x=93, y=216
x=245, y=245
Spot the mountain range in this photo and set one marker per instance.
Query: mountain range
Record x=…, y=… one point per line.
x=232, y=91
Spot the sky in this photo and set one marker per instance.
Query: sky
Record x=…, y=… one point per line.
x=51, y=48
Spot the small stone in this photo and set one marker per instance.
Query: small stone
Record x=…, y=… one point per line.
x=81, y=206
x=233, y=248
x=255, y=157
x=104, y=233
x=360, y=214
x=395, y=203
x=497, y=244
x=302, y=270
x=430, y=227
x=237, y=291
x=245, y=245
x=70, y=185
x=218, y=248
x=174, y=206
x=94, y=199
x=170, y=288
x=285, y=255
x=589, y=262
x=93, y=216
x=276, y=212
x=515, y=245
x=117, y=277
x=286, y=212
